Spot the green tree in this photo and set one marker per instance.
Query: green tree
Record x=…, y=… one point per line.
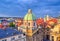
x=12, y=25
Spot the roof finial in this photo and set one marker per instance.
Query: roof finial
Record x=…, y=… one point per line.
x=29, y=11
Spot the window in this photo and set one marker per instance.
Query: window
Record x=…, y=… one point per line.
x=19, y=36
x=23, y=39
x=37, y=32
x=58, y=38
x=52, y=38
x=24, y=34
x=47, y=37
x=34, y=23
x=28, y=24
x=13, y=38
x=4, y=40
x=25, y=23
x=48, y=28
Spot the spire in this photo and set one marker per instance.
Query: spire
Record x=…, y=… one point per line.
x=29, y=11
x=47, y=17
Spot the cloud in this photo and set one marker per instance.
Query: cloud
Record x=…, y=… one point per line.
x=20, y=7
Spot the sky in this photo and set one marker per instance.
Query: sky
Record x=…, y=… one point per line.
x=19, y=8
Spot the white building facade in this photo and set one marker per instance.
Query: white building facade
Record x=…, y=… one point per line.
x=19, y=37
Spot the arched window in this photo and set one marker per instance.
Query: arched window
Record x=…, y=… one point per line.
x=28, y=24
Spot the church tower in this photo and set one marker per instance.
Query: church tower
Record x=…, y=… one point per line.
x=29, y=23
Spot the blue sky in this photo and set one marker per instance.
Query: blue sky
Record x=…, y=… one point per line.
x=18, y=8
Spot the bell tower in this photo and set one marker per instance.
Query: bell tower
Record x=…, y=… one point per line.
x=29, y=23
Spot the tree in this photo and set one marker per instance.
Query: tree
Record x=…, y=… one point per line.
x=12, y=25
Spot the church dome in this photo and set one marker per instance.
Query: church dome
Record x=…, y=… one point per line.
x=29, y=15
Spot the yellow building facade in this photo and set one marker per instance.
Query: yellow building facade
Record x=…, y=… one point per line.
x=55, y=33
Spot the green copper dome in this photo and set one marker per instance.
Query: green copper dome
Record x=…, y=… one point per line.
x=29, y=16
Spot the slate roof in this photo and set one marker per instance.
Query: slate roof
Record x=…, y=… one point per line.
x=8, y=32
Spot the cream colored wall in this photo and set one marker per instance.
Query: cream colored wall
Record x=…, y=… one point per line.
x=25, y=24
x=30, y=31
x=56, y=28
x=31, y=24
x=55, y=37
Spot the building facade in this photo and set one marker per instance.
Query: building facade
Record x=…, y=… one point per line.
x=19, y=37
x=55, y=33
x=29, y=23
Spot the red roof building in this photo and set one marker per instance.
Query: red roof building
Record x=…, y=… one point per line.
x=51, y=22
x=1, y=26
x=40, y=21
